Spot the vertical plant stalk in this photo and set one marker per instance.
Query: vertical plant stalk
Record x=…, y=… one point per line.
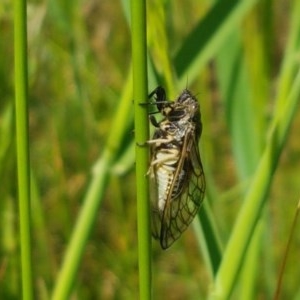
x=139, y=56
x=21, y=90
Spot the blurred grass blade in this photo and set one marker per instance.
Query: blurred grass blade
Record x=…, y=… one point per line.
x=22, y=141
x=203, y=42
x=246, y=119
x=250, y=267
x=255, y=199
x=242, y=116
x=93, y=198
x=156, y=31
x=286, y=252
x=289, y=66
x=208, y=238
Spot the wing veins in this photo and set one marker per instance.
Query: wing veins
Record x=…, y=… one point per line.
x=166, y=229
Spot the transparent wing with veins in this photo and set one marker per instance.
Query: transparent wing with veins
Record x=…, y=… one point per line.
x=184, y=197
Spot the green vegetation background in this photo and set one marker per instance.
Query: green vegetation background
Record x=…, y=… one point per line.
x=79, y=57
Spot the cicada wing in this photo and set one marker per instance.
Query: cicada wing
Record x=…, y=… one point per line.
x=180, y=211
x=197, y=180
x=155, y=223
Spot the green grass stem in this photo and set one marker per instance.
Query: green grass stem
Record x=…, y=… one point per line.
x=22, y=141
x=210, y=33
x=140, y=91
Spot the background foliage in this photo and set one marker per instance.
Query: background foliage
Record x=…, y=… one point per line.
x=79, y=71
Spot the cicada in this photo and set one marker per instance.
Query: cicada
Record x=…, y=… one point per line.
x=175, y=169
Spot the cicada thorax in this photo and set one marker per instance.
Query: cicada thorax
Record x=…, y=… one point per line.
x=185, y=111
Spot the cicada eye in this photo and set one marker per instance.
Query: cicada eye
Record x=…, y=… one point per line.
x=176, y=115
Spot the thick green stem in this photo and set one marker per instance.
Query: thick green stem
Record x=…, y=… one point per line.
x=139, y=56
x=21, y=102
